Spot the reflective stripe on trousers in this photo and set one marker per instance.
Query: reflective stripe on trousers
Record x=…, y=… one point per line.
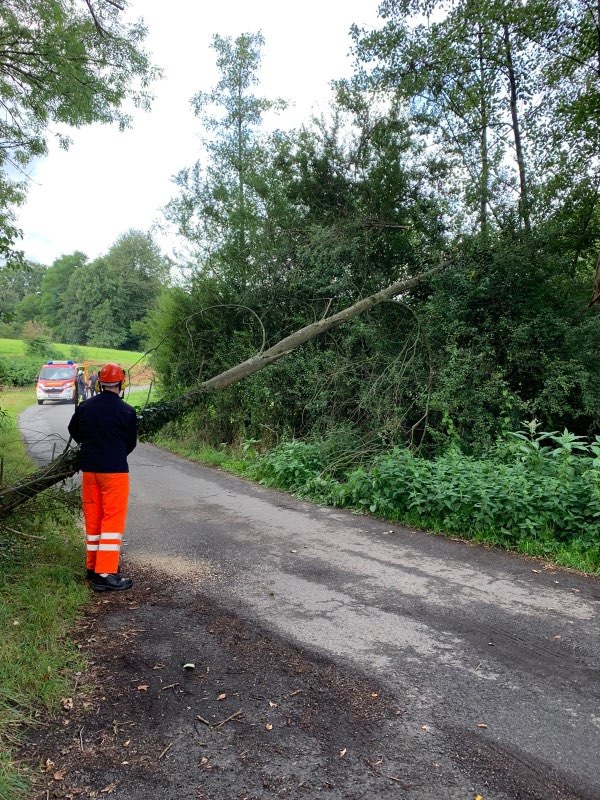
x=105, y=496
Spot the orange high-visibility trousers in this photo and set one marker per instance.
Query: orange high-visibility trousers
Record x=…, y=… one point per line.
x=105, y=496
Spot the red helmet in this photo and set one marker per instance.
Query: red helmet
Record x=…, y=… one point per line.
x=111, y=373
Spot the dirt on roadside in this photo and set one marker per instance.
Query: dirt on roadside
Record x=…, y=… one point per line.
x=186, y=700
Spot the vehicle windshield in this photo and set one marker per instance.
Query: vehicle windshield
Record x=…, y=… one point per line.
x=50, y=373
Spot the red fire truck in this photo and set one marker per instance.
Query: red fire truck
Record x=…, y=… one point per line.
x=56, y=381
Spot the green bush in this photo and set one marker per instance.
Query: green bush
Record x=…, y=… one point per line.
x=534, y=486
x=466, y=494
x=77, y=353
x=292, y=465
x=40, y=347
x=19, y=372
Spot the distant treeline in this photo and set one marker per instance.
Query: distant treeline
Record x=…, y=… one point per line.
x=84, y=302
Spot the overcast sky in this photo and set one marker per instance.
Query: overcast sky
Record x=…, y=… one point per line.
x=108, y=182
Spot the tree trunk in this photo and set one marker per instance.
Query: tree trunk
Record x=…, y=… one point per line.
x=484, y=189
x=524, y=205
x=597, y=27
x=153, y=419
x=294, y=340
x=242, y=254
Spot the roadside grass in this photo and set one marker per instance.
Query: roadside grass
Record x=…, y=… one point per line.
x=41, y=594
x=15, y=348
x=142, y=397
x=226, y=458
x=14, y=460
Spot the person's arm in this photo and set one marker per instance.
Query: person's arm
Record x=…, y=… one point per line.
x=73, y=426
x=132, y=433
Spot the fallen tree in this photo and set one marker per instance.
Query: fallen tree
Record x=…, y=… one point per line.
x=153, y=418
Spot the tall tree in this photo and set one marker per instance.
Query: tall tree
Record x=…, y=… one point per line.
x=106, y=296
x=343, y=214
x=17, y=284
x=219, y=206
x=54, y=285
x=507, y=94
x=469, y=74
x=568, y=140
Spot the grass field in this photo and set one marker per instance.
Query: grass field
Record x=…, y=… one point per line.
x=15, y=348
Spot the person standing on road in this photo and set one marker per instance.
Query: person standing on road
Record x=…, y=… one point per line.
x=92, y=381
x=81, y=386
x=105, y=427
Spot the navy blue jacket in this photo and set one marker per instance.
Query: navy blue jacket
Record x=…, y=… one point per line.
x=105, y=427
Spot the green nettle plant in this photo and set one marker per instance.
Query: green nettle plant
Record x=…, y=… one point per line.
x=537, y=486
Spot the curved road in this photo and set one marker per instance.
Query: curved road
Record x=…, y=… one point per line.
x=494, y=658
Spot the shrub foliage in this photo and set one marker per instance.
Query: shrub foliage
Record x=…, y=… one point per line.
x=534, y=486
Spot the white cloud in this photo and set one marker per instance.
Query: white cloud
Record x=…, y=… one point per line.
x=108, y=182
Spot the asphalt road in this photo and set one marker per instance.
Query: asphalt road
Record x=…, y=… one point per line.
x=494, y=658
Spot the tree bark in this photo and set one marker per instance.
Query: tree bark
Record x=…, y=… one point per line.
x=299, y=337
x=152, y=419
x=484, y=189
x=524, y=205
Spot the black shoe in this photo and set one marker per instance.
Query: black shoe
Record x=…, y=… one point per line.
x=89, y=574
x=112, y=583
